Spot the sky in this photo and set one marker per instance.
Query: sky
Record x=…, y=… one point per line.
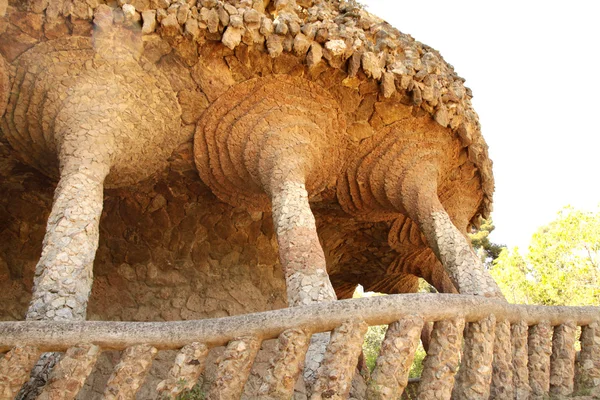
x=534, y=69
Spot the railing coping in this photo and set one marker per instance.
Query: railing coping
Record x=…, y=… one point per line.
x=320, y=317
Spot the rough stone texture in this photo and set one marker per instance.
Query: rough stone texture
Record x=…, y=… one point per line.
x=314, y=357
x=159, y=244
x=69, y=375
x=502, y=385
x=130, y=372
x=519, y=336
x=441, y=362
x=562, y=361
x=390, y=376
x=185, y=371
x=86, y=122
x=286, y=366
x=475, y=373
x=199, y=69
x=234, y=368
x=413, y=189
x=335, y=374
x=587, y=374
x=14, y=369
x=539, y=350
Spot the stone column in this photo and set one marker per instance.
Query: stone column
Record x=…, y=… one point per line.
x=90, y=112
x=519, y=333
x=418, y=196
x=300, y=252
x=63, y=276
x=268, y=144
x=475, y=373
x=562, y=361
x=390, y=376
x=441, y=362
x=587, y=375
x=539, y=352
x=502, y=387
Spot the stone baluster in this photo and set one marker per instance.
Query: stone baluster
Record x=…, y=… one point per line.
x=390, y=376
x=475, y=373
x=130, y=372
x=287, y=365
x=441, y=362
x=587, y=376
x=519, y=335
x=186, y=370
x=562, y=361
x=15, y=367
x=539, y=347
x=334, y=377
x=502, y=375
x=234, y=369
x=69, y=375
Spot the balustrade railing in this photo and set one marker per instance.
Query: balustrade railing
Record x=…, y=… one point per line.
x=480, y=348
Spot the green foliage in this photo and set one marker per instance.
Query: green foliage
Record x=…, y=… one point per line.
x=485, y=249
x=195, y=393
x=562, y=266
x=372, y=344
x=417, y=367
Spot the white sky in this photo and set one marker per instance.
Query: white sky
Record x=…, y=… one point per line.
x=534, y=69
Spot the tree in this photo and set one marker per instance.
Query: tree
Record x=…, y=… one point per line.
x=486, y=250
x=562, y=266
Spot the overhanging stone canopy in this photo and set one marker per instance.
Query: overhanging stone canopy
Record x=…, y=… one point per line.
x=221, y=157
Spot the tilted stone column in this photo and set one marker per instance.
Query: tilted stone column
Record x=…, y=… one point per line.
x=390, y=376
x=397, y=172
x=15, y=367
x=234, y=369
x=185, y=372
x=91, y=113
x=69, y=375
x=130, y=372
x=285, y=369
x=269, y=144
x=419, y=198
x=339, y=365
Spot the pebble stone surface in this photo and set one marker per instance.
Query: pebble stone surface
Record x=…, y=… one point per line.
x=130, y=372
x=588, y=362
x=390, y=376
x=475, y=374
x=16, y=366
x=502, y=387
x=188, y=56
x=185, y=372
x=539, y=348
x=519, y=336
x=70, y=373
x=334, y=377
x=562, y=360
x=109, y=96
x=441, y=363
x=286, y=366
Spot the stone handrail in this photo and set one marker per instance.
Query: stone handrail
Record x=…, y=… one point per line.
x=509, y=350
